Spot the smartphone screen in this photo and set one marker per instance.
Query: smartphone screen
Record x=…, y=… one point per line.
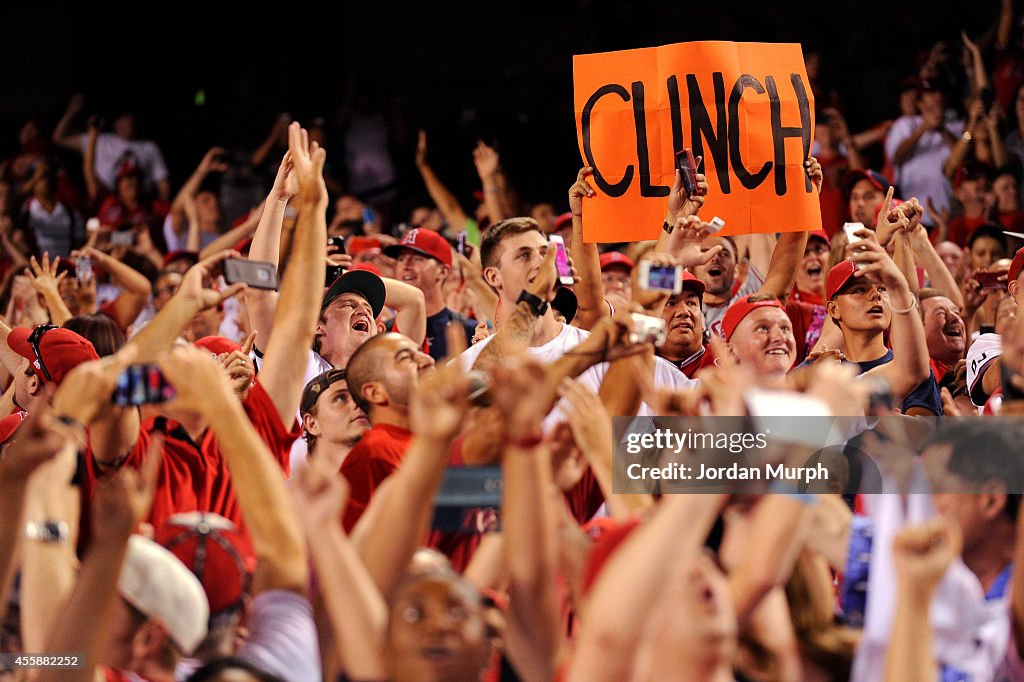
x=142, y=385
x=661, y=277
x=561, y=260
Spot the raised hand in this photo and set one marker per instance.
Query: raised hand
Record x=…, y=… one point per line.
x=44, y=278
x=682, y=204
x=486, y=160
x=591, y=426
x=890, y=220
x=212, y=162
x=193, y=284
x=521, y=393
x=285, y=184
x=438, y=406
x=199, y=383
x=318, y=493
x=580, y=189
x=685, y=241
x=813, y=168
x=86, y=391
x=923, y=553
x=308, y=166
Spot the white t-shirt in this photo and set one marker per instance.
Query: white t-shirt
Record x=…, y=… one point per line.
x=113, y=151
x=921, y=175
x=54, y=231
x=713, y=315
x=665, y=374
x=314, y=368
x=981, y=353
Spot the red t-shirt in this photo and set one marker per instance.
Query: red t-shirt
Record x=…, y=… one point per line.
x=375, y=457
x=690, y=366
x=939, y=368
x=1012, y=221
x=808, y=320
x=194, y=476
x=834, y=207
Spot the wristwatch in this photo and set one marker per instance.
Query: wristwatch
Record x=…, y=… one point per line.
x=48, y=532
x=538, y=305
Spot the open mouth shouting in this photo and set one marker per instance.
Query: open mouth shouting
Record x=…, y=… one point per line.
x=361, y=323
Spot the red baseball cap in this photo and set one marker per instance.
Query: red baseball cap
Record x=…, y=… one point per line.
x=191, y=256
x=743, y=307
x=693, y=282
x=607, y=535
x=215, y=551
x=1016, y=265
x=822, y=235
x=877, y=180
x=10, y=424
x=357, y=245
x=368, y=267
x=838, y=276
x=60, y=350
x=425, y=242
x=217, y=345
x=613, y=258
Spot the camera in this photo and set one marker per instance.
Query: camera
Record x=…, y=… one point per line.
x=647, y=329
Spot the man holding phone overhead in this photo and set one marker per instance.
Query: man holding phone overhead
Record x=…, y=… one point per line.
x=983, y=356
x=423, y=259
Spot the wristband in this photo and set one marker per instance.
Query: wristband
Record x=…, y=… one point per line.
x=665, y=226
x=904, y=311
x=537, y=305
x=527, y=442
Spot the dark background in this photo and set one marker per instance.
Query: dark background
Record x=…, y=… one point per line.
x=500, y=71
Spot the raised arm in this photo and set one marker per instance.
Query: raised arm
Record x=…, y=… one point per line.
x=489, y=169
x=45, y=280
x=120, y=503
x=60, y=136
x=192, y=297
x=355, y=607
x=939, y=275
x=632, y=582
x=202, y=387
x=207, y=165
x=445, y=201
x=789, y=249
x=590, y=291
x=922, y=555
x=402, y=517
x=92, y=185
x=266, y=245
x=135, y=288
x=296, y=313
x=244, y=230
x=410, y=308
x=528, y=516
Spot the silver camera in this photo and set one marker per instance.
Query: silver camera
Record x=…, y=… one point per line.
x=647, y=329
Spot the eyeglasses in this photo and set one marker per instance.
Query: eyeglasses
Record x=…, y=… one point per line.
x=816, y=250
x=33, y=340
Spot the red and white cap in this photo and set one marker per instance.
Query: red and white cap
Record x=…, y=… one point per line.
x=1016, y=265
x=611, y=259
x=423, y=242
x=838, y=276
x=743, y=307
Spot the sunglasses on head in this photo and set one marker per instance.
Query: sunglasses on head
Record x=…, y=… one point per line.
x=33, y=340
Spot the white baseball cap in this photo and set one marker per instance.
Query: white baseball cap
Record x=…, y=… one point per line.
x=156, y=583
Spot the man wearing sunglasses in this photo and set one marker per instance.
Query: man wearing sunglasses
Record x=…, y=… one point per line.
x=45, y=354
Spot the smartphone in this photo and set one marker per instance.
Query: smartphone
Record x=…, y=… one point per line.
x=991, y=280
x=688, y=171
x=122, y=237
x=142, y=385
x=469, y=500
x=850, y=229
x=257, y=274
x=333, y=273
x=460, y=243
x=562, y=260
x=338, y=242
x=661, y=277
x=647, y=329
x=716, y=225
x=83, y=268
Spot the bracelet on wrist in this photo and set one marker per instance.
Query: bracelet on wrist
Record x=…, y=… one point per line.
x=525, y=442
x=904, y=311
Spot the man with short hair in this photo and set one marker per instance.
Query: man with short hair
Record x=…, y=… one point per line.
x=381, y=376
x=944, y=331
x=424, y=259
x=332, y=423
x=686, y=343
x=867, y=297
x=616, y=269
x=760, y=337
x=42, y=355
x=865, y=190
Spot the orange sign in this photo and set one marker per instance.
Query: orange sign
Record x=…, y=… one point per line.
x=745, y=107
